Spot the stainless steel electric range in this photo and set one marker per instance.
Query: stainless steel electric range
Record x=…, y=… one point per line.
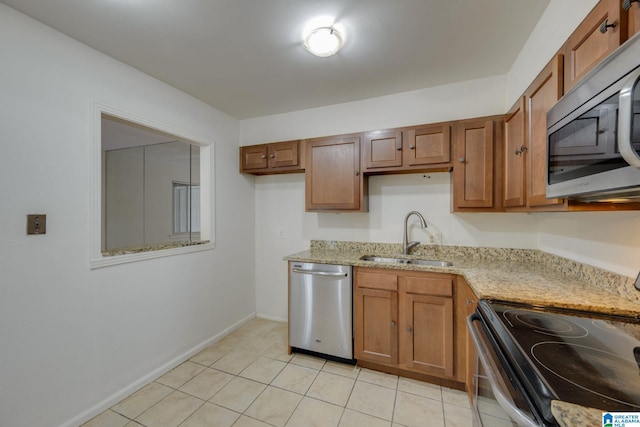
x=530, y=356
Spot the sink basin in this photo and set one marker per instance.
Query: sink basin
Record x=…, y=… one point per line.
x=393, y=260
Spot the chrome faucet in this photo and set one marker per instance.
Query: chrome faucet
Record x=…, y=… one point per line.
x=406, y=245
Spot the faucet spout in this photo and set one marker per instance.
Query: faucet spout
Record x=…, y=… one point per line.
x=406, y=245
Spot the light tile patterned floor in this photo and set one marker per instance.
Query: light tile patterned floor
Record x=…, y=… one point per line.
x=248, y=380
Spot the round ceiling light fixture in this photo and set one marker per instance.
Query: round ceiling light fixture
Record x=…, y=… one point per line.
x=324, y=41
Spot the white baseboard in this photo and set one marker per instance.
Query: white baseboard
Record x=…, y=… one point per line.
x=274, y=318
x=151, y=376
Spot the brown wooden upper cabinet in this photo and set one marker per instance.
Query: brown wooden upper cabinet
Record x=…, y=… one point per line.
x=477, y=166
x=601, y=32
x=423, y=148
x=333, y=179
x=279, y=157
x=525, y=133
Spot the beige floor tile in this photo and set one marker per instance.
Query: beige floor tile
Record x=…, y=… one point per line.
x=278, y=351
x=343, y=369
x=492, y=421
x=238, y=394
x=412, y=410
x=457, y=397
x=263, y=370
x=206, y=383
x=308, y=361
x=235, y=361
x=274, y=406
x=491, y=407
x=295, y=378
x=358, y=419
x=107, y=419
x=314, y=413
x=331, y=388
x=378, y=378
x=421, y=388
x=458, y=416
x=181, y=374
x=209, y=355
x=210, y=415
x=133, y=424
x=170, y=411
x=245, y=421
x=372, y=399
x=142, y=400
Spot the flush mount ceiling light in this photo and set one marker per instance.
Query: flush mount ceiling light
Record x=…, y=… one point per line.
x=324, y=41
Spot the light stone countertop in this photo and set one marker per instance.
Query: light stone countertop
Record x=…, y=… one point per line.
x=517, y=275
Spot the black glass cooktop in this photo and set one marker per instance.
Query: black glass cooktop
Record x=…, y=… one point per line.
x=579, y=359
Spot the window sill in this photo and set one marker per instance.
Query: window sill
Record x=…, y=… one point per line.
x=122, y=256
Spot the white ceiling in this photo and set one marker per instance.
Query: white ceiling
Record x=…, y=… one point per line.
x=245, y=57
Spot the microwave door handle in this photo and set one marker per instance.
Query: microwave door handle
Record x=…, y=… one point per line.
x=625, y=122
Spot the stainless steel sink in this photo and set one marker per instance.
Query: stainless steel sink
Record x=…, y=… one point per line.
x=393, y=260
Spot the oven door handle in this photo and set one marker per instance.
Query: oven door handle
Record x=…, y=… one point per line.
x=498, y=387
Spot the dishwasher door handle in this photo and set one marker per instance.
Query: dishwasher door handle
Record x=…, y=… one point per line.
x=319, y=273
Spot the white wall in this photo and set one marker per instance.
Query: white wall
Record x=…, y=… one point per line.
x=72, y=337
x=600, y=239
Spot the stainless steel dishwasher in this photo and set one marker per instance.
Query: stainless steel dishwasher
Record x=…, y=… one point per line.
x=320, y=309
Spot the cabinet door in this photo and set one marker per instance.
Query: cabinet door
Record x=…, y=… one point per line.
x=333, y=180
x=284, y=154
x=588, y=45
x=253, y=157
x=427, y=331
x=382, y=149
x=543, y=93
x=375, y=321
x=514, y=155
x=466, y=297
x=473, y=165
x=427, y=145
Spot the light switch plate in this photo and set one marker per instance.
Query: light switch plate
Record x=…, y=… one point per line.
x=36, y=224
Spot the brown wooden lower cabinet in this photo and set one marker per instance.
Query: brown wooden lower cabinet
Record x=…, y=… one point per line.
x=406, y=322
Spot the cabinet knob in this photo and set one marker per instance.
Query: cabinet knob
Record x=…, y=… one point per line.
x=469, y=302
x=264, y=156
x=409, y=329
x=357, y=173
x=605, y=25
x=461, y=159
x=412, y=147
x=393, y=324
x=273, y=156
x=626, y=4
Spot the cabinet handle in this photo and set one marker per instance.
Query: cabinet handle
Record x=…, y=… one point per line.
x=605, y=25
x=412, y=147
x=357, y=173
x=273, y=156
x=626, y=4
x=461, y=159
x=393, y=324
x=409, y=329
x=264, y=157
x=469, y=302
x=521, y=150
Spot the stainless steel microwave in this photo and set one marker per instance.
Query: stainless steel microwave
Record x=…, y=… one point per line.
x=593, y=133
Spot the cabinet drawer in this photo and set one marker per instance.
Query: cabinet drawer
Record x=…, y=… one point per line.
x=440, y=286
x=377, y=280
